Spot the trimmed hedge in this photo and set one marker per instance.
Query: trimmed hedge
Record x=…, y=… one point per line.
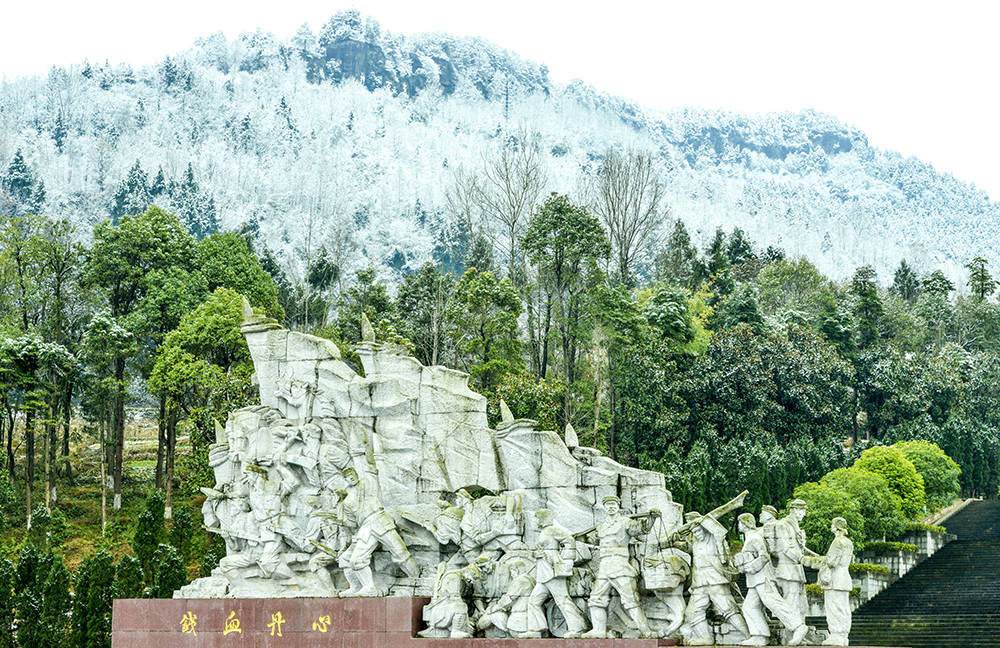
x=890, y=546
x=920, y=526
x=869, y=568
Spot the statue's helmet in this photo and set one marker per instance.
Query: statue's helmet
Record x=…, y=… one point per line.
x=612, y=498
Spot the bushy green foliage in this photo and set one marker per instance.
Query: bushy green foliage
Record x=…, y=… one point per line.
x=214, y=552
x=94, y=594
x=181, y=529
x=879, y=506
x=483, y=314
x=129, y=578
x=890, y=547
x=169, y=572
x=7, y=603
x=919, y=526
x=939, y=471
x=825, y=503
x=867, y=568
x=903, y=479
x=48, y=528
x=149, y=533
x=529, y=397
x=56, y=600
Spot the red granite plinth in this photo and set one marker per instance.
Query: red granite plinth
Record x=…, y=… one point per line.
x=304, y=623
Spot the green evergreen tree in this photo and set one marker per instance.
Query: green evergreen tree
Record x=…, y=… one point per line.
x=740, y=307
x=149, y=533
x=94, y=595
x=181, y=530
x=739, y=249
x=7, y=604
x=868, y=309
x=214, y=552
x=56, y=600
x=905, y=283
x=678, y=263
x=169, y=572
x=981, y=283
x=20, y=192
x=937, y=284
x=129, y=577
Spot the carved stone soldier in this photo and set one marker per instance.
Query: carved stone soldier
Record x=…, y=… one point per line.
x=363, y=511
x=666, y=566
x=835, y=579
x=755, y=561
x=710, y=581
x=789, y=548
x=555, y=549
x=615, y=571
x=447, y=615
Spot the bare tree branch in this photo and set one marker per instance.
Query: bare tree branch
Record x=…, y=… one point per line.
x=627, y=196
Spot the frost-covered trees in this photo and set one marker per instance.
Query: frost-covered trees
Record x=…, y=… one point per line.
x=628, y=198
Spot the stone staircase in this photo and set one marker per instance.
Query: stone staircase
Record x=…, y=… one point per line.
x=950, y=600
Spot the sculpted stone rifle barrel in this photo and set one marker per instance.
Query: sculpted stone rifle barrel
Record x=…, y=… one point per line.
x=728, y=507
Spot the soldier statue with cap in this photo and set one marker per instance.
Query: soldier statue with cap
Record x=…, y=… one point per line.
x=789, y=548
x=755, y=561
x=615, y=571
x=373, y=527
x=555, y=549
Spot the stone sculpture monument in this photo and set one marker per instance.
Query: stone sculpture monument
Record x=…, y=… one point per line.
x=388, y=481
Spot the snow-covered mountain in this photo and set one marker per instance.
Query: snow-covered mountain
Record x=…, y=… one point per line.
x=350, y=138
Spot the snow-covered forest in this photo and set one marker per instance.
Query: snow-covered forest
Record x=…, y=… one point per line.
x=349, y=140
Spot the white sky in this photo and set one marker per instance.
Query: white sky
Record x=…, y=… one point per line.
x=918, y=77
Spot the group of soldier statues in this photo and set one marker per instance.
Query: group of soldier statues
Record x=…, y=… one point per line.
x=610, y=580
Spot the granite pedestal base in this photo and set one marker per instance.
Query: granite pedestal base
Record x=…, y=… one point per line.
x=303, y=623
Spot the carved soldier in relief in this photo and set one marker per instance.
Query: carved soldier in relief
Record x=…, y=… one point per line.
x=555, y=549
x=835, y=579
x=615, y=571
x=755, y=561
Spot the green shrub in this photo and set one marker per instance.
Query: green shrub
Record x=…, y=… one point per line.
x=891, y=546
x=868, y=568
x=94, y=594
x=920, y=526
x=825, y=503
x=6, y=604
x=878, y=505
x=939, y=471
x=55, y=601
x=216, y=551
x=48, y=528
x=169, y=573
x=181, y=528
x=900, y=473
x=129, y=578
x=10, y=509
